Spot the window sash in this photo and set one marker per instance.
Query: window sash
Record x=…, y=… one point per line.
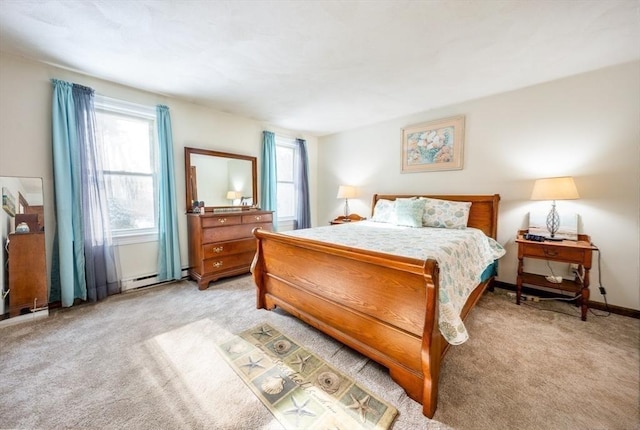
x=142, y=113
x=289, y=144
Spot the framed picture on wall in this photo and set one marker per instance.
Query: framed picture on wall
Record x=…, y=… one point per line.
x=433, y=146
x=8, y=202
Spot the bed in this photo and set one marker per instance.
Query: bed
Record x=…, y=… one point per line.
x=383, y=305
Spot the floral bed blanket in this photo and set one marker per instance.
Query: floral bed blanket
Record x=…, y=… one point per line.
x=462, y=255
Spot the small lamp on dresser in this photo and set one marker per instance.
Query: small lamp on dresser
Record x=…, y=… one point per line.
x=233, y=196
x=562, y=188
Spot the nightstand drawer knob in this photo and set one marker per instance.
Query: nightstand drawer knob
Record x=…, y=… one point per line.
x=217, y=264
x=218, y=249
x=550, y=253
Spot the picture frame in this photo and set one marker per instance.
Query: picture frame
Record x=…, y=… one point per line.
x=8, y=202
x=433, y=146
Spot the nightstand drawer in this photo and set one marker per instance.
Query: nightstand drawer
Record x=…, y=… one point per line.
x=555, y=253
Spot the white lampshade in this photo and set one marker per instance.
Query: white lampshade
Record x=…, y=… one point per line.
x=233, y=195
x=555, y=189
x=347, y=192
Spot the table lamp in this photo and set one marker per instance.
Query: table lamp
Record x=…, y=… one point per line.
x=233, y=195
x=346, y=192
x=553, y=189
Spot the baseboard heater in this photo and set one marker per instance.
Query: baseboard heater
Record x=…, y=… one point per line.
x=145, y=281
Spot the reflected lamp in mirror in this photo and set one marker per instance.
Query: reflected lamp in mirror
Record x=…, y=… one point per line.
x=347, y=192
x=563, y=188
x=232, y=196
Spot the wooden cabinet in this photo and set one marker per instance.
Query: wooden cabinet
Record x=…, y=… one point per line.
x=27, y=273
x=566, y=251
x=222, y=244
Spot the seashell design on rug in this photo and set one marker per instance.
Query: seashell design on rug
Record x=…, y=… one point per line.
x=329, y=382
x=273, y=385
x=237, y=348
x=282, y=346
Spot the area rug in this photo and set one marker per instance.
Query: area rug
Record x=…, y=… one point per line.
x=301, y=390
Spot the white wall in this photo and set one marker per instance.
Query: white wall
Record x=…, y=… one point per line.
x=25, y=140
x=586, y=126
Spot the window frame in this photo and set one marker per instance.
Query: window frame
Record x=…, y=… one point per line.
x=148, y=113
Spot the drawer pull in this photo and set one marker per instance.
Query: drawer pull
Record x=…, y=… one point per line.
x=222, y=220
x=217, y=264
x=550, y=253
x=218, y=249
x=258, y=217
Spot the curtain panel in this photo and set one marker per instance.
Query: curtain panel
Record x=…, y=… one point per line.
x=83, y=263
x=268, y=176
x=169, y=265
x=303, y=210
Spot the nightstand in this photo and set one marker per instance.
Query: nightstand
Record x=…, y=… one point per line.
x=567, y=251
x=346, y=219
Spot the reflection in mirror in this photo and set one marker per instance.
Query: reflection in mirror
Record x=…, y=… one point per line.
x=219, y=179
x=23, y=280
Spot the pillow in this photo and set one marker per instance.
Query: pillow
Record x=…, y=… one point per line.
x=445, y=213
x=409, y=212
x=384, y=211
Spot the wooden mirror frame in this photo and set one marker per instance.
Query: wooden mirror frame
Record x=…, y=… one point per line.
x=189, y=183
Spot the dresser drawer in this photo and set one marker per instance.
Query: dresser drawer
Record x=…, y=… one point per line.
x=222, y=263
x=219, y=249
x=221, y=234
x=555, y=253
x=219, y=221
x=249, y=219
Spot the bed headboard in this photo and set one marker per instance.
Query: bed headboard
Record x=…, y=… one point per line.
x=483, y=214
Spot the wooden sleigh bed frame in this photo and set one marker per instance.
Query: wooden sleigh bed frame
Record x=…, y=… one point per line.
x=384, y=306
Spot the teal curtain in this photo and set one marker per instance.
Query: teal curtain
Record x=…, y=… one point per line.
x=169, y=266
x=303, y=209
x=68, y=277
x=268, y=176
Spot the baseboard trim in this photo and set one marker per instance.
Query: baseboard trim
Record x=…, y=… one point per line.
x=618, y=310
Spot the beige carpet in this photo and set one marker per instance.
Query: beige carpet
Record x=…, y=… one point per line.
x=147, y=360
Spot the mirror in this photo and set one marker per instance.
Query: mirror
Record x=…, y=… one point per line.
x=219, y=180
x=23, y=278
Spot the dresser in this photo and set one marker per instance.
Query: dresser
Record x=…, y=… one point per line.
x=27, y=273
x=222, y=244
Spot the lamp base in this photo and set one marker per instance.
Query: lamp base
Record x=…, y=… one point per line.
x=553, y=239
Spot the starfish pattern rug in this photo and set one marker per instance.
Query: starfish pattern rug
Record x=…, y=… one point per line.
x=301, y=390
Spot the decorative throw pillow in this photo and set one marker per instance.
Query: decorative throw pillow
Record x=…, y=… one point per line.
x=384, y=211
x=445, y=213
x=409, y=212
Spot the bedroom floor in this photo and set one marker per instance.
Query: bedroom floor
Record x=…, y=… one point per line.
x=522, y=367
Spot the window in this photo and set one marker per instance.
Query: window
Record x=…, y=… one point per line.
x=286, y=162
x=126, y=135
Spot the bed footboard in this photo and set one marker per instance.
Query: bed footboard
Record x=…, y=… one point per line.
x=383, y=306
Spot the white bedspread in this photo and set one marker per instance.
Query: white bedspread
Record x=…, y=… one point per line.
x=461, y=254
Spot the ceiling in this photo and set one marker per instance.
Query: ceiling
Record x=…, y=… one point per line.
x=321, y=67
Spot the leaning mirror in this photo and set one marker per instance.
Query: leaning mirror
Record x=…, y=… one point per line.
x=23, y=280
x=219, y=179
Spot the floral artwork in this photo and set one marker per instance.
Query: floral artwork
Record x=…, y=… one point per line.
x=436, y=145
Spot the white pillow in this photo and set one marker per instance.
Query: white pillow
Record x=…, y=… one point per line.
x=384, y=211
x=445, y=213
x=409, y=212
